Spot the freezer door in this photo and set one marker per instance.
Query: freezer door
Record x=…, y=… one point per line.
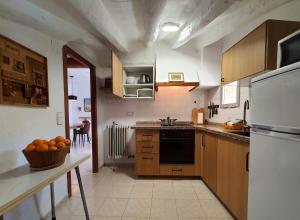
x=274, y=176
x=275, y=100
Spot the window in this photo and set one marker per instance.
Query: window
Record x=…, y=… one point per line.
x=230, y=95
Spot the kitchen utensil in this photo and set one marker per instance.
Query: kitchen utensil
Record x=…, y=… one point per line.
x=131, y=80
x=168, y=121
x=144, y=78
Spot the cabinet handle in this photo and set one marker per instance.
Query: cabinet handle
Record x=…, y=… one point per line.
x=247, y=162
x=203, y=141
x=147, y=146
x=222, y=79
x=147, y=158
x=176, y=169
x=147, y=135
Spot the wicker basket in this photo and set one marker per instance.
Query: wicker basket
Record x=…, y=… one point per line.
x=46, y=160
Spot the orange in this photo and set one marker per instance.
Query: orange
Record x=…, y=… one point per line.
x=51, y=143
x=61, y=145
x=59, y=139
x=67, y=142
x=29, y=148
x=37, y=142
x=42, y=148
x=52, y=148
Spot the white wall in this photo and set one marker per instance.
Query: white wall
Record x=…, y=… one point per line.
x=81, y=88
x=20, y=125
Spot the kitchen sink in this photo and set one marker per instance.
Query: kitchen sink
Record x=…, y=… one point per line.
x=243, y=133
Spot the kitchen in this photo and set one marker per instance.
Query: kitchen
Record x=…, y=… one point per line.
x=214, y=84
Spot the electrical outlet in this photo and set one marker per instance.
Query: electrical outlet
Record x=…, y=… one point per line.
x=130, y=113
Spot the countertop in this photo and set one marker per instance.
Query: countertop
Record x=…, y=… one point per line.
x=211, y=128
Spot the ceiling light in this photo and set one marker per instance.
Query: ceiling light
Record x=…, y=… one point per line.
x=170, y=27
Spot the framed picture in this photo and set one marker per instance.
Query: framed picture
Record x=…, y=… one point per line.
x=176, y=77
x=87, y=105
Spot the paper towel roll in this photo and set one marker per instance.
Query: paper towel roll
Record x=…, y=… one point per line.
x=200, y=118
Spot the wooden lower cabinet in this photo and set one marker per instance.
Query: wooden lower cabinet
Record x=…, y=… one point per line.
x=147, y=164
x=209, y=160
x=176, y=170
x=232, y=175
x=198, y=154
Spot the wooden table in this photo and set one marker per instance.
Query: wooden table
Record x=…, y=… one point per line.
x=18, y=182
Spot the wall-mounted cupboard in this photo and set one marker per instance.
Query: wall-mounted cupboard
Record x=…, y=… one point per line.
x=134, y=81
x=256, y=52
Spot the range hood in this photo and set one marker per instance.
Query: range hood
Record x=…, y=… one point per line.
x=193, y=85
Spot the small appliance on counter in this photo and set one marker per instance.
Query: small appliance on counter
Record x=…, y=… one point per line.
x=144, y=78
x=168, y=121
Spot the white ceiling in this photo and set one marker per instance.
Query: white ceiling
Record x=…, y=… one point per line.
x=121, y=23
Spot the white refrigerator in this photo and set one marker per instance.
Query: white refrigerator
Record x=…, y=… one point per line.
x=274, y=165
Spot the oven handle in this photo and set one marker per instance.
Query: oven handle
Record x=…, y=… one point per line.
x=176, y=139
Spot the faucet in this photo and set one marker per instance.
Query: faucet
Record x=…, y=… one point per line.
x=246, y=107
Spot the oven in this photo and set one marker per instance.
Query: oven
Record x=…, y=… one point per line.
x=177, y=146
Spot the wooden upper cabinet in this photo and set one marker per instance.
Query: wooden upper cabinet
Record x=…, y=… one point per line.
x=117, y=75
x=257, y=52
x=232, y=175
x=209, y=160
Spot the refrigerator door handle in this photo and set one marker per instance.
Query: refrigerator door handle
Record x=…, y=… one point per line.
x=276, y=134
x=279, y=129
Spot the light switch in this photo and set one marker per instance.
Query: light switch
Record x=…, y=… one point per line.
x=59, y=118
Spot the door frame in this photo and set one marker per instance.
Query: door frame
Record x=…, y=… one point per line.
x=67, y=51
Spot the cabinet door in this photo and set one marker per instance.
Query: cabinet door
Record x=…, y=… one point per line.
x=209, y=150
x=117, y=75
x=147, y=164
x=227, y=66
x=232, y=174
x=245, y=58
x=198, y=153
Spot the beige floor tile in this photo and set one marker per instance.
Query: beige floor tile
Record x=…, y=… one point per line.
x=163, y=192
x=185, y=193
x=193, y=219
x=189, y=208
x=70, y=217
x=164, y=209
x=119, y=191
x=162, y=182
x=203, y=192
x=103, y=218
x=181, y=182
x=112, y=207
x=197, y=183
x=138, y=208
x=141, y=192
x=75, y=207
x=214, y=209
x=122, y=180
x=144, y=182
x=134, y=218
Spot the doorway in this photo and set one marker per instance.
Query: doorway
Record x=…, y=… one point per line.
x=72, y=60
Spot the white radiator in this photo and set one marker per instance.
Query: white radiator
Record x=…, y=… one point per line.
x=117, y=141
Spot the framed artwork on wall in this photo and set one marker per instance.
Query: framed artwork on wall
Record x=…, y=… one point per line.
x=176, y=77
x=87, y=104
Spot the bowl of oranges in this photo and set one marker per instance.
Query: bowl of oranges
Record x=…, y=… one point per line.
x=47, y=154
